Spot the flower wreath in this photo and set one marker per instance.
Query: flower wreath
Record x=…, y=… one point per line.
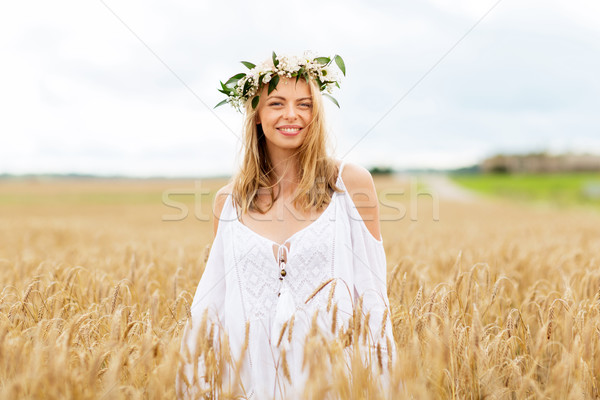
x=241, y=87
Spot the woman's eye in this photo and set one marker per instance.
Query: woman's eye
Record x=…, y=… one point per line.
x=276, y=103
x=305, y=104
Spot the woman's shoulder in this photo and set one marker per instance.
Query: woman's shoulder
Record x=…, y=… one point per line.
x=225, y=190
x=219, y=203
x=361, y=189
x=355, y=176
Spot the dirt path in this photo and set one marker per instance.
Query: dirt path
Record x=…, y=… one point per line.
x=441, y=185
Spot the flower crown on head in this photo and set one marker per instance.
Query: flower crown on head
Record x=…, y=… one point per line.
x=241, y=87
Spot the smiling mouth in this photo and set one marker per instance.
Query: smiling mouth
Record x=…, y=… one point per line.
x=289, y=130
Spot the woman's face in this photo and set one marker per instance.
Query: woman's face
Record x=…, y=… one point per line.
x=285, y=113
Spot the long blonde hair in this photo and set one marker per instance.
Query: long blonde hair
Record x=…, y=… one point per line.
x=318, y=170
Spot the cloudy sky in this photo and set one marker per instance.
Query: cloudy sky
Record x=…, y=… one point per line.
x=128, y=87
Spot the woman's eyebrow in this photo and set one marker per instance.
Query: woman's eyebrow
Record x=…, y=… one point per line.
x=283, y=98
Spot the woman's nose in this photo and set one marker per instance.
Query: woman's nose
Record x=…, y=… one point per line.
x=289, y=112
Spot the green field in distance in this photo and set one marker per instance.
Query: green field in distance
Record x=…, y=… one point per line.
x=562, y=189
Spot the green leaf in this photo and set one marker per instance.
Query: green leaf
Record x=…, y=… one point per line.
x=332, y=99
x=224, y=89
x=340, y=64
x=300, y=72
x=235, y=78
x=255, y=101
x=221, y=103
x=275, y=61
x=247, y=85
x=273, y=83
x=323, y=60
x=248, y=65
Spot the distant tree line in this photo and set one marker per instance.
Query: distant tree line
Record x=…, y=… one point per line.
x=381, y=170
x=541, y=162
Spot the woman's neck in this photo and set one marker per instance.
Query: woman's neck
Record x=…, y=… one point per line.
x=285, y=170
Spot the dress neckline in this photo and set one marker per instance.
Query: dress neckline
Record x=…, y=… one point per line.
x=335, y=194
x=338, y=182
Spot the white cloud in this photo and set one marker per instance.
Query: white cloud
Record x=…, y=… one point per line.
x=80, y=93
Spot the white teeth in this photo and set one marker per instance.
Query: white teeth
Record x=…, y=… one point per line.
x=289, y=129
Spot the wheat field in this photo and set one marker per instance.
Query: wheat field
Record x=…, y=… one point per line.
x=488, y=299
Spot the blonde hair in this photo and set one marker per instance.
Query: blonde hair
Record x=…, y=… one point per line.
x=318, y=170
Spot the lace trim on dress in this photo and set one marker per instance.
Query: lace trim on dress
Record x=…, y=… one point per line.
x=308, y=259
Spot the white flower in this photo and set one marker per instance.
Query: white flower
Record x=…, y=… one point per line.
x=328, y=73
x=267, y=64
x=308, y=55
x=313, y=67
x=287, y=66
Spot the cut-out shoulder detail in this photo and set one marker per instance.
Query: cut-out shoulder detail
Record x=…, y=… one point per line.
x=218, y=204
x=361, y=189
x=340, y=165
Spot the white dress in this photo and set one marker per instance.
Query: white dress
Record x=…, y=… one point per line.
x=241, y=283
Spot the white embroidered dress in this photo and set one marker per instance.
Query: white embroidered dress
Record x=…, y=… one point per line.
x=241, y=283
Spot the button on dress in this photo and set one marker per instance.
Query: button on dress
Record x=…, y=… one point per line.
x=243, y=282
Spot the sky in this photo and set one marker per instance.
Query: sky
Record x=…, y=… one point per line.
x=128, y=88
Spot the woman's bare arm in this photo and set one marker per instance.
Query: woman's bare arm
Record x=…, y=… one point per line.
x=361, y=188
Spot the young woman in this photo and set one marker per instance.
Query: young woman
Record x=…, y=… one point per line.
x=297, y=249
